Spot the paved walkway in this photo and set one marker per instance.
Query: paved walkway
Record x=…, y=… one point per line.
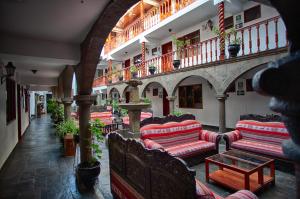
x=37, y=170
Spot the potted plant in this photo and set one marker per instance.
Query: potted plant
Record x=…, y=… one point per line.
x=87, y=172
x=133, y=71
x=179, y=46
x=147, y=100
x=66, y=127
x=234, y=46
x=177, y=113
x=152, y=69
x=58, y=114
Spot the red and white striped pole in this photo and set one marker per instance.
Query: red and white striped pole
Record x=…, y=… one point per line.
x=143, y=58
x=222, y=30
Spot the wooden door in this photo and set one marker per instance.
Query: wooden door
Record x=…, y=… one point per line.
x=166, y=107
x=127, y=96
x=127, y=72
x=167, y=58
x=19, y=101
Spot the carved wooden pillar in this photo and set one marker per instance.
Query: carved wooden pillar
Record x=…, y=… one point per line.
x=222, y=30
x=222, y=113
x=281, y=80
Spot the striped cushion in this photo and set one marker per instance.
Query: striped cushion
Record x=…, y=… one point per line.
x=260, y=147
x=190, y=148
x=203, y=192
x=151, y=144
x=172, y=133
x=242, y=194
x=233, y=136
x=268, y=132
x=208, y=136
x=144, y=115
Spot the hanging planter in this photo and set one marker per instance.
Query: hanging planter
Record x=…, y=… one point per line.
x=234, y=49
x=152, y=69
x=176, y=64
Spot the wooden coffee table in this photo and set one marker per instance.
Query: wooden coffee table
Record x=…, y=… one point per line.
x=240, y=170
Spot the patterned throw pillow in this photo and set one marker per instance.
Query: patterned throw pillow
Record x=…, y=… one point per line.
x=203, y=192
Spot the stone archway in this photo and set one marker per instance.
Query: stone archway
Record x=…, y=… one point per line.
x=157, y=94
x=91, y=48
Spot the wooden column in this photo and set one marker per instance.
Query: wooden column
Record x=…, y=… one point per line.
x=222, y=30
x=142, y=15
x=109, y=69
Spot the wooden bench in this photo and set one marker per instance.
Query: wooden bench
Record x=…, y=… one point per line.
x=137, y=173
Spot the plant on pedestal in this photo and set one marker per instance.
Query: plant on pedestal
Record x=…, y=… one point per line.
x=133, y=71
x=179, y=46
x=177, y=113
x=88, y=172
x=234, y=46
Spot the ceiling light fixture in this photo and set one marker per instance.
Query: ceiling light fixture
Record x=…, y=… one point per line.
x=33, y=71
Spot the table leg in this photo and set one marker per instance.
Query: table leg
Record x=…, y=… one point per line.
x=207, y=170
x=247, y=182
x=260, y=176
x=272, y=172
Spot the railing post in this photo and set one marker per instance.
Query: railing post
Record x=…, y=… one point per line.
x=143, y=68
x=222, y=30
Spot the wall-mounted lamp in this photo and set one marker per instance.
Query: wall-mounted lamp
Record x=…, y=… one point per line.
x=209, y=25
x=10, y=71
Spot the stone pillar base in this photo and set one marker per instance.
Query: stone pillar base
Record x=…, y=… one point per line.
x=222, y=113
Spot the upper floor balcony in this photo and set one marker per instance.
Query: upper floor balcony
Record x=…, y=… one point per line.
x=258, y=39
x=152, y=16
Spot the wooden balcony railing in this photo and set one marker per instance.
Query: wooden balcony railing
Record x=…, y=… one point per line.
x=151, y=18
x=267, y=35
x=100, y=81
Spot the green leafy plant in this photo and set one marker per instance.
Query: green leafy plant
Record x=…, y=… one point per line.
x=67, y=127
x=124, y=112
x=152, y=67
x=96, y=128
x=133, y=69
x=179, y=44
x=115, y=104
x=58, y=114
x=147, y=100
x=51, y=105
x=177, y=113
x=232, y=31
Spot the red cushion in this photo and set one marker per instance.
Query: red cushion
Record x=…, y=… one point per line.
x=203, y=192
x=172, y=133
x=260, y=147
x=242, y=194
x=191, y=148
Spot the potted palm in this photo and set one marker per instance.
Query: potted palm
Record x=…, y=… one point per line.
x=87, y=172
x=133, y=71
x=234, y=46
x=179, y=46
x=152, y=69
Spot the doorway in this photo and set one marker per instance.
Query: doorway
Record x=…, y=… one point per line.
x=168, y=58
x=19, y=100
x=166, y=107
x=127, y=66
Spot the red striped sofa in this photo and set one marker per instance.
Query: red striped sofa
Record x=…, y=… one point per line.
x=137, y=173
x=185, y=139
x=263, y=138
x=106, y=117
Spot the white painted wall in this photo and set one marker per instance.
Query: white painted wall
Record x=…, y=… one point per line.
x=157, y=103
x=9, y=132
x=250, y=103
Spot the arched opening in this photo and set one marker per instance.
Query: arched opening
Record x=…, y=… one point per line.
x=126, y=94
x=114, y=94
x=157, y=94
x=196, y=95
x=242, y=99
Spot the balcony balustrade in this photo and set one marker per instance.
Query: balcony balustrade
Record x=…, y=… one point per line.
x=261, y=37
x=100, y=81
x=151, y=18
